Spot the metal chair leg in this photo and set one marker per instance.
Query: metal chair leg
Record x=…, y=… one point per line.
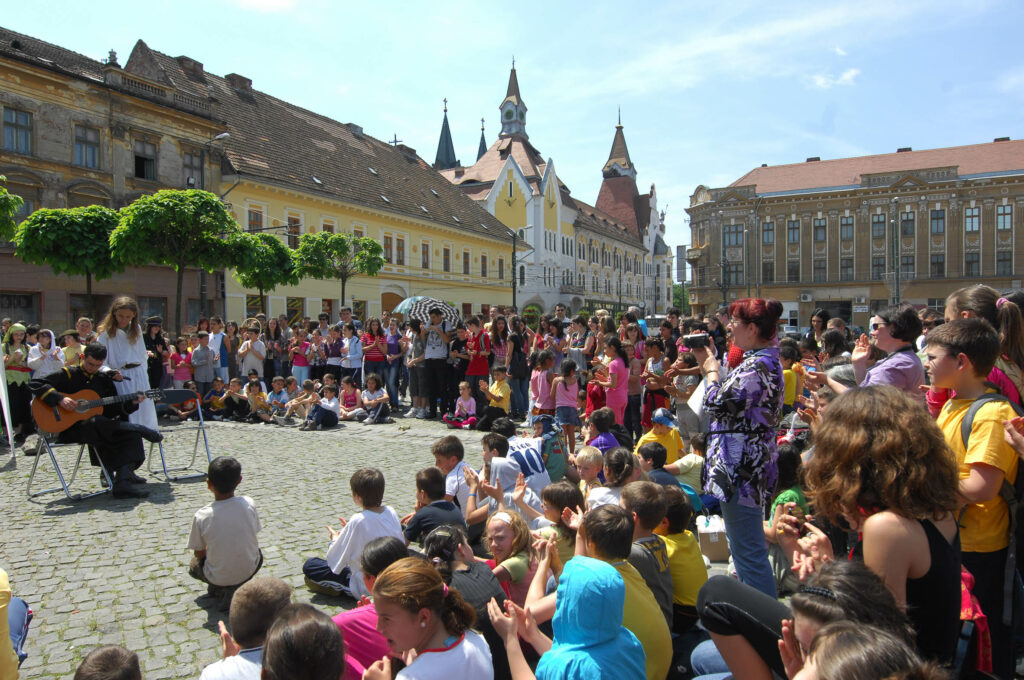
x=65, y=485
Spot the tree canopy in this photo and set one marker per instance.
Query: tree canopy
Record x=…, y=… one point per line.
x=179, y=228
x=9, y=205
x=324, y=255
x=263, y=262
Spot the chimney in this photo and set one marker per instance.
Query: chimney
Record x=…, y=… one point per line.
x=191, y=66
x=1001, y=139
x=903, y=149
x=814, y=159
x=357, y=130
x=238, y=82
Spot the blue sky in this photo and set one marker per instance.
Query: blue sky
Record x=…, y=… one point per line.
x=708, y=90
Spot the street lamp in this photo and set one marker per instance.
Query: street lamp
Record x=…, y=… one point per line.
x=515, y=273
x=895, y=250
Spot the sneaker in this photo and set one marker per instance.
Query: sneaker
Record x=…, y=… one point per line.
x=368, y=420
x=421, y=414
x=324, y=588
x=280, y=420
x=319, y=427
x=304, y=426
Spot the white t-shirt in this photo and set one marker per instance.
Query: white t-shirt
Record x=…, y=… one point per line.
x=331, y=405
x=467, y=659
x=227, y=530
x=603, y=495
x=526, y=453
x=367, y=395
x=246, y=665
x=455, y=485
x=363, y=527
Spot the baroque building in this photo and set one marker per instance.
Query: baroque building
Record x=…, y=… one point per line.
x=611, y=254
x=853, y=234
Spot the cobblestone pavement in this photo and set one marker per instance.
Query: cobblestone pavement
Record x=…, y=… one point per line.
x=106, y=571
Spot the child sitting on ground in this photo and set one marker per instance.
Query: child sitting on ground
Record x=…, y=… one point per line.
x=278, y=397
x=236, y=406
x=432, y=510
x=556, y=498
x=259, y=407
x=789, y=491
x=498, y=396
x=292, y=387
x=109, y=662
x=601, y=437
x=619, y=469
x=341, y=571
x=188, y=408
x=375, y=401
x=299, y=407
x=223, y=537
x=645, y=501
x=652, y=461
x=589, y=463
x=213, y=400
x=685, y=561
x=351, y=401
x=511, y=544
x=324, y=414
x=449, y=455
x=253, y=609
x=663, y=431
x=464, y=417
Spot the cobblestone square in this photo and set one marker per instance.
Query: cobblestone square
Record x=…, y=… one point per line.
x=102, y=570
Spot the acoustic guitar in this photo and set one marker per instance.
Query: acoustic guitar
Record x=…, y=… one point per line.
x=87, y=404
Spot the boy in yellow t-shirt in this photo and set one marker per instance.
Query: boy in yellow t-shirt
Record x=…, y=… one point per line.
x=960, y=355
x=499, y=395
x=685, y=561
x=663, y=431
x=792, y=376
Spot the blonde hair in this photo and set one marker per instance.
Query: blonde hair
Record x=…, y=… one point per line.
x=588, y=455
x=522, y=539
x=109, y=323
x=464, y=384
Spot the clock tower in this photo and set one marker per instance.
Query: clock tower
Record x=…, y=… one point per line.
x=513, y=110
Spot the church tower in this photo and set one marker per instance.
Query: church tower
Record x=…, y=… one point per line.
x=618, y=164
x=445, y=158
x=619, y=196
x=483, y=142
x=513, y=110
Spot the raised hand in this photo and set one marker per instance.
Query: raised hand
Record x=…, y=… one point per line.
x=573, y=520
x=1014, y=434
x=520, y=491
x=789, y=650
x=505, y=623
x=472, y=478
x=378, y=670
x=228, y=646
x=861, y=350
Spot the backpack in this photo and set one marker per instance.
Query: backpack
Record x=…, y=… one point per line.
x=1012, y=494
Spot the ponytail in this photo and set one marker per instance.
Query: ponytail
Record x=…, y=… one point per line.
x=457, y=615
x=1011, y=331
x=412, y=584
x=620, y=465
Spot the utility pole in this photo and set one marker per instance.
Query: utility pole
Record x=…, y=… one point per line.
x=895, y=228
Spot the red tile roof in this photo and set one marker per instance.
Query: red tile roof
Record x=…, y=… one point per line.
x=970, y=160
x=618, y=198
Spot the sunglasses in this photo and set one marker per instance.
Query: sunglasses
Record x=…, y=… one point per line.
x=876, y=326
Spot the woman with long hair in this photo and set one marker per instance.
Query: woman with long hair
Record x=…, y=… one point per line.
x=274, y=340
x=499, y=342
x=517, y=362
x=121, y=334
x=15, y=352
x=375, y=347
x=232, y=340
x=616, y=381
x=157, y=352
x=395, y=350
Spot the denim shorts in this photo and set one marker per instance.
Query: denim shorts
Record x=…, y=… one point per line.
x=567, y=415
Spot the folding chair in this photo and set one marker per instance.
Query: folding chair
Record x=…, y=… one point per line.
x=172, y=397
x=49, y=442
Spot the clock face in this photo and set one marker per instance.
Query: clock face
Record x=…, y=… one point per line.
x=508, y=114
x=522, y=115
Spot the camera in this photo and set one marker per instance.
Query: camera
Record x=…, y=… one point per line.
x=696, y=340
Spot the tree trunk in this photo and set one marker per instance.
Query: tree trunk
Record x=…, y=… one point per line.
x=88, y=293
x=344, y=280
x=263, y=303
x=177, y=308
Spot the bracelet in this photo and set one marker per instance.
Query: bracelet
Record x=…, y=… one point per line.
x=469, y=495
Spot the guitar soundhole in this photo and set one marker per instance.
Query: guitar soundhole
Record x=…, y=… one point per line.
x=81, y=406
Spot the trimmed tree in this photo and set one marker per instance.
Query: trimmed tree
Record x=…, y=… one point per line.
x=263, y=262
x=177, y=228
x=338, y=256
x=72, y=241
x=9, y=205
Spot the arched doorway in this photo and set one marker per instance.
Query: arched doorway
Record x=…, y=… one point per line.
x=389, y=301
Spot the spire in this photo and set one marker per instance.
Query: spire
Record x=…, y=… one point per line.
x=619, y=164
x=513, y=110
x=483, y=141
x=445, y=148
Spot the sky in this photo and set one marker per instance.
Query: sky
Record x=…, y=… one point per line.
x=707, y=91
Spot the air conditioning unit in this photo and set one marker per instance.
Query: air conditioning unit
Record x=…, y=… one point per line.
x=860, y=300
x=806, y=297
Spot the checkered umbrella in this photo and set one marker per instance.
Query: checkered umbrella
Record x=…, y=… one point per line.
x=421, y=310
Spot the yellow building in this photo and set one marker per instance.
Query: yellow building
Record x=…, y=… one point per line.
x=292, y=171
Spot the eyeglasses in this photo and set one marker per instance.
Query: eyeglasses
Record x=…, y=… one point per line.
x=876, y=326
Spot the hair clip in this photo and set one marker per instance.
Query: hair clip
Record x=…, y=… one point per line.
x=822, y=592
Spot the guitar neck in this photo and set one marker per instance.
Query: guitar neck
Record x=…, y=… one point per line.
x=106, y=401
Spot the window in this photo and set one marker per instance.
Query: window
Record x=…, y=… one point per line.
x=972, y=264
x=907, y=225
x=846, y=228
x=702, y=277
x=793, y=231
x=878, y=267
x=255, y=223
x=733, y=235
x=294, y=229
x=846, y=269
x=483, y=266
x=522, y=275
x=467, y=308
x=192, y=168
x=18, y=131
x=388, y=250
x=28, y=207
x=465, y=262
x=87, y=147
x=937, y=269
x=145, y=160
x=1004, y=263
x=501, y=268
x=1004, y=217
x=425, y=255
x=793, y=272
x=400, y=251
x=820, y=271
x=907, y=266
x=253, y=305
x=819, y=230
x=446, y=259
x=295, y=308
x=878, y=225
x=734, y=275
x=972, y=219
x=327, y=226
x=938, y=222
x=767, y=272
x=357, y=232
x=153, y=306
x=768, y=233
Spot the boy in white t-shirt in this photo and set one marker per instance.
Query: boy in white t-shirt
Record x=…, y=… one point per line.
x=223, y=537
x=449, y=455
x=341, y=572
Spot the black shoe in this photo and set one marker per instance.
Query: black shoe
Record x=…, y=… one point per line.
x=126, y=490
x=146, y=433
x=133, y=478
x=19, y=440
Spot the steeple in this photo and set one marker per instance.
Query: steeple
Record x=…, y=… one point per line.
x=618, y=164
x=445, y=148
x=513, y=110
x=483, y=141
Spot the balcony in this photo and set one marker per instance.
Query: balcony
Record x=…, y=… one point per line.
x=693, y=254
x=571, y=290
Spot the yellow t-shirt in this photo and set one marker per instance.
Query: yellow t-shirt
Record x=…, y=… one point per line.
x=642, y=616
x=671, y=440
x=985, y=526
x=789, y=376
x=502, y=391
x=72, y=355
x=687, y=567
x=8, y=659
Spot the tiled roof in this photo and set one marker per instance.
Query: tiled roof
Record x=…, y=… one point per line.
x=445, y=147
x=49, y=56
x=487, y=167
x=596, y=220
x=973, y=159
x=618, y=197
x=619, y=154
x=280, y=143
x=512, y=94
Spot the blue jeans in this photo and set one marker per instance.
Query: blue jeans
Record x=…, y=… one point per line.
x=301, y=373
x=519, y=398
x=378, y=367
x=321, y=416
x=391, y=373
x=707, y=663
x=744, y=527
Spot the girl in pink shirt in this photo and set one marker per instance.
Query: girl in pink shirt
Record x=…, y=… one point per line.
x=540, y=384
x=181, y=363
x=616, y=385
x=464, y=417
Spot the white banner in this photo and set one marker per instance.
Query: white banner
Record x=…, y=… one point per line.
x=5, y=402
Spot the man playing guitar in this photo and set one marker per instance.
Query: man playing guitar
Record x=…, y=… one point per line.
x=110, y=437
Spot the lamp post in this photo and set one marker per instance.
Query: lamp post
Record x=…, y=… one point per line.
x=894, y=224
x=515, y=273
x=724, y=267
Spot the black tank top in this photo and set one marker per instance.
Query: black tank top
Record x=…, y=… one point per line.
x=933, y=601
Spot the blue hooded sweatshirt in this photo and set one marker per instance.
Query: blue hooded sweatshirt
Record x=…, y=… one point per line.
x=590, y=642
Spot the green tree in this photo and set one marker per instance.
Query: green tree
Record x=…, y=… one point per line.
x=263, y=262
x=9, y=206
x=178, y=228
x=72, y=241
x=338, y=256
x=681, y=298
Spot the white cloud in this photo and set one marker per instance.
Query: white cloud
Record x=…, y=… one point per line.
x=840, y=51
x=825, y=81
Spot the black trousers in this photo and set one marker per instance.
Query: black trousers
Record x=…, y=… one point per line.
x=488, y=416
x=435, y=377
x=987, y=569
x=108, y=442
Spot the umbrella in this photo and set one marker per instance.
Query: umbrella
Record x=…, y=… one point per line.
x=421, y=310
x=404, y=305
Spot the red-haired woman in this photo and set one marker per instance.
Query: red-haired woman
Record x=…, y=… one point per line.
x=740, y=469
